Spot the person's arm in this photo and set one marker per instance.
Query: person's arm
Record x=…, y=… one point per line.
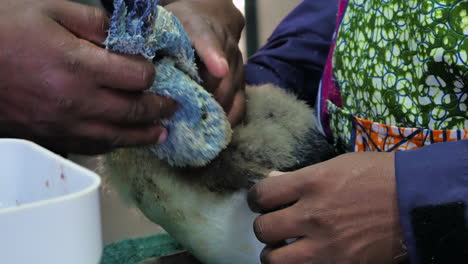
x=432, y=185
x=296, y=53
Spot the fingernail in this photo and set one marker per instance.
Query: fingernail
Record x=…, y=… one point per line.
x=275, y=173
x=163, y=136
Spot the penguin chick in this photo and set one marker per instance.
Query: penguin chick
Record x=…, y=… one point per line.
x=205, y=208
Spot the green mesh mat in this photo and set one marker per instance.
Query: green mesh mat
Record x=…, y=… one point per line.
x=132, y=251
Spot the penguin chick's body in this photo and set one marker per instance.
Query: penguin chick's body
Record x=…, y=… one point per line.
x=205, y=208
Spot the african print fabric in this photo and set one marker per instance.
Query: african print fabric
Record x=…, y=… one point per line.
x=400, y=74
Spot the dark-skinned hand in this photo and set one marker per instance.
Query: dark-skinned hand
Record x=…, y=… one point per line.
x=215, y=27
x=60, y=88
x=340, y=211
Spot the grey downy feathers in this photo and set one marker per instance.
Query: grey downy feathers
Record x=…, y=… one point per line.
x=205, y=208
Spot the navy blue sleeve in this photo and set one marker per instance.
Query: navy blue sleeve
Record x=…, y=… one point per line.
x=296, y=53
x=432, y=184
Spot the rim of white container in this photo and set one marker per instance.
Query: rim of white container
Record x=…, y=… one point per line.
x=96, y=180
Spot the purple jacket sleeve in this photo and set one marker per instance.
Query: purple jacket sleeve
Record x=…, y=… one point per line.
x=296, y=53
x=432, y=185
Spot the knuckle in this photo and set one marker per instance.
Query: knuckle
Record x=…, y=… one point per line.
x=317, y=218
x=134, y=112
x=306, y=218
x=57, y=93
x=71, y=58
x=322, y=175
x=65, y=104
x=73, y=64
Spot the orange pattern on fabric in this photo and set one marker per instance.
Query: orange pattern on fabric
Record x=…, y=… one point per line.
x=371, y=136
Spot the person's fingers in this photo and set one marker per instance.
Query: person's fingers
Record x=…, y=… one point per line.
x=129, y=108
x=225, y=92
x=298, y=252
x=92, y=137
x=117, y=136
x=266, y=252
x=208, y=46
x=210, y=82
x=229, y=85
x=130, y=73
x=86, y=22
x=238, y=108
x=278, y=226
x=274, y=192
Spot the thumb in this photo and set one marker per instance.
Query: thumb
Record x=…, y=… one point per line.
x=209, y=49
x=86, y=22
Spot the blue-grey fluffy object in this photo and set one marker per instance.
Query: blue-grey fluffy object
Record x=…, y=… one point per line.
x=199, y=130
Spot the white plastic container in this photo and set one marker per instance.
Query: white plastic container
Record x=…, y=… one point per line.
x=49, y=208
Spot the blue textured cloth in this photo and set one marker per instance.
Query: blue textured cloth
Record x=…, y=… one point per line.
x=200, y=129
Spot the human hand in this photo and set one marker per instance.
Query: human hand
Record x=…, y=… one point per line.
x=340, y=211
x=61, y=89
x=214, y=27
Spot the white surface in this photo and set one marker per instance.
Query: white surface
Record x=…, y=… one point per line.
x=49, y=208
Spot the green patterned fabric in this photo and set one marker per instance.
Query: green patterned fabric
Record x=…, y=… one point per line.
x=403, y=63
